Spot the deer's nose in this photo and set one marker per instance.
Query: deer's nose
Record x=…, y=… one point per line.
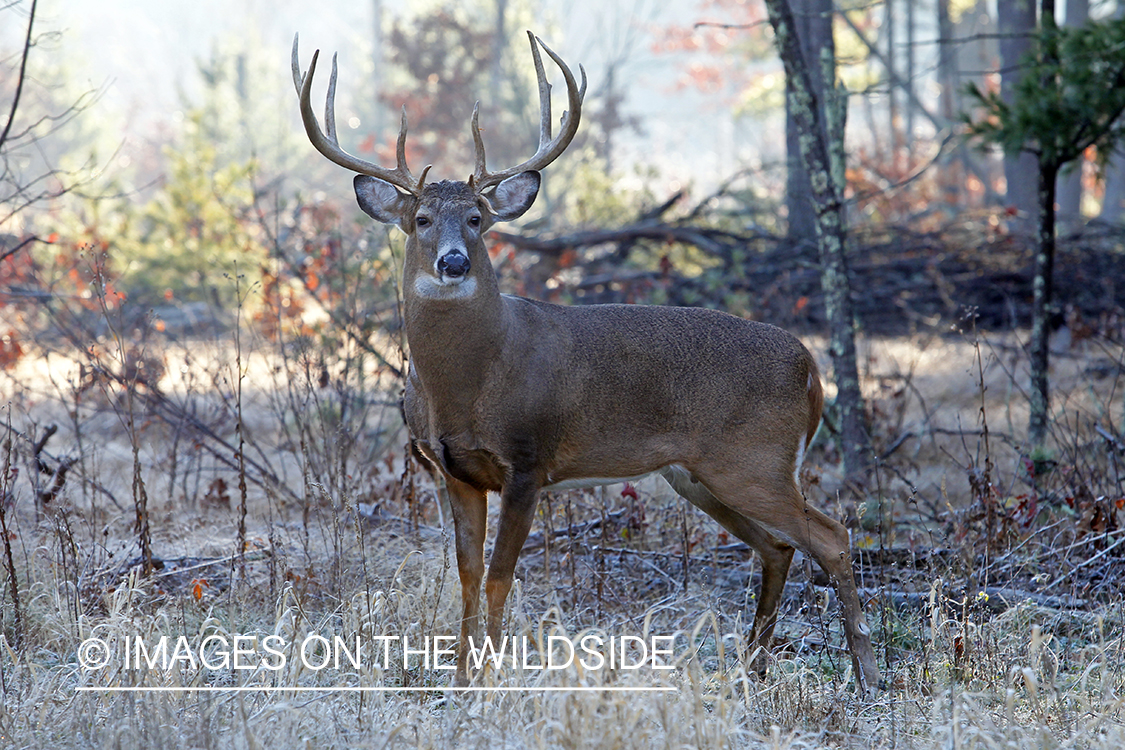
x=453, y=264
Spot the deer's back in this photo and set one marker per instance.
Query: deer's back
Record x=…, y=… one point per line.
x=687, y=349
x=660, y=382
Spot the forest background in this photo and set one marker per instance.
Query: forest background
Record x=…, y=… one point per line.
x=201, y=356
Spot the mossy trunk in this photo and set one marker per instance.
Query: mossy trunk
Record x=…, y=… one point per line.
x=831, y=239
x=814, y=33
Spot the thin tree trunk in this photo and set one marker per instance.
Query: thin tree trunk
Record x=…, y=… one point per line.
x=1041, y=308
x=377, y=60
x=1070, y=182
x=608, y=127
x=1113, y=202
x=911, y=27
x=1015, y=20
x=1044, y=273
x=893, y=139
x=831, y=238
x=813, y=27
x=498, y=45
x=952, y=177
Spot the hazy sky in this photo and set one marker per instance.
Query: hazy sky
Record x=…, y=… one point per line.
x=144, y=52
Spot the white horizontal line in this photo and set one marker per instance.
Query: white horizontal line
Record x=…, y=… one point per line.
x=365, y=689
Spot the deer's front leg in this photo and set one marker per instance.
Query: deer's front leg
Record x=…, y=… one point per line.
x=517, y=508
x=470, y=517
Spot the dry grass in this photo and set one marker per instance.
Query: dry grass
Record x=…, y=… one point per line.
x=346, y=540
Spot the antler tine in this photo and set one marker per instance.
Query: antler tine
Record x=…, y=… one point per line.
x=544, y=95
x=329, y=144
x=549, y=149
x=330, y=106
x=298, y=78
x=400, y=157
x=478, y=143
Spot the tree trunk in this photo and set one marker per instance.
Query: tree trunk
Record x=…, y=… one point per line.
x=831, y=235
x=377, y=60
x=499, y=44
x=1041, y=308
x=951, y=178
x=888, y=29
x=1044, y=273
x=1069, y=196
x=1113, y=202
x=1015, y=20
x=813, y=24
x=911, y=28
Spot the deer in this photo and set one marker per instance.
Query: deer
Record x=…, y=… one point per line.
x=513, y=396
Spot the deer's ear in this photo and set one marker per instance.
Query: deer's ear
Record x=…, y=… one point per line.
x=382, y=201
x=512, y=197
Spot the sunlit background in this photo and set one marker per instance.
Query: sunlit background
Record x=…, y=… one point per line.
x=146, y=62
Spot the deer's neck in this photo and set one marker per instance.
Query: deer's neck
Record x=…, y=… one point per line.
x=455, y=334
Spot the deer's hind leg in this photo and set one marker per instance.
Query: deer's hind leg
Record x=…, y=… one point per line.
x=774, y=554
x=772, y=501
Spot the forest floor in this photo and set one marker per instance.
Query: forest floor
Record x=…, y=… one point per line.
x=992, y=578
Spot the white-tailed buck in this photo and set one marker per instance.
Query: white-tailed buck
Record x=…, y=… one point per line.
x=511, y=395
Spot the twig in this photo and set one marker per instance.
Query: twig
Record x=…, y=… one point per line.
x=22, y=75
x=9, y=563
x=9, y=253
x=1070, y=572
x=1110, y=438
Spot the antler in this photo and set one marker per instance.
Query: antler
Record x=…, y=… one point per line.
x=329, y=144
x=549, y=149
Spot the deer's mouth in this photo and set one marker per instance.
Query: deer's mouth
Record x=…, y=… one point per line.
x=437, y=288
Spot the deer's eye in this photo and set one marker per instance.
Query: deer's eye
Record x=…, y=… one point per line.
x=421, y=221
x=474, y=221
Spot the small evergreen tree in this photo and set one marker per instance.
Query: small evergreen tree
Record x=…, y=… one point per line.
x=1071, y=98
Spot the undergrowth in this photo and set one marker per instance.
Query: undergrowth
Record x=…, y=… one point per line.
x=251, y=483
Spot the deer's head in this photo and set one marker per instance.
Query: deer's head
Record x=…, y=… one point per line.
x=445, y=221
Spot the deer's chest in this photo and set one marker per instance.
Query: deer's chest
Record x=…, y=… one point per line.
x=452, y=442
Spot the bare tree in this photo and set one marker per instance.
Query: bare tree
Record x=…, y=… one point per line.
x=25, y=181
x=16, y=195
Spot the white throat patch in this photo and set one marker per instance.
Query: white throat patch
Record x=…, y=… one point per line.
x=428, y=287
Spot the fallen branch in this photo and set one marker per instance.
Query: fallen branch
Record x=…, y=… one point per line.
x=538, y=539
x=69, y=463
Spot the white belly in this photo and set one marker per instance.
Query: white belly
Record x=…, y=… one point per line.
x=578, y=484
x=671, y=473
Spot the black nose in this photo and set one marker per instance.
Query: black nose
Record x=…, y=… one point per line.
x=453, y=264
